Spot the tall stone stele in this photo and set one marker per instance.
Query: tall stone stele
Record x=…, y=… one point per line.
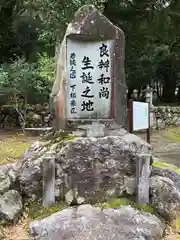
x=88, y=29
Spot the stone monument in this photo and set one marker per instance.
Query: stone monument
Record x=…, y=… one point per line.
x=90, y=82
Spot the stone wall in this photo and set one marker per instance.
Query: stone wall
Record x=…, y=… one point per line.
x=36, y=116
x=39, y=116
x=164, y=116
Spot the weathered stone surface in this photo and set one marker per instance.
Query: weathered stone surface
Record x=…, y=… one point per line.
x=162, y=117
x=10, y=206
x=37, y=116
x=153, y=121
x=168, y=173
x=93, y=166
x=165, y=197
x=130, y=185
x=4, y=182
x=89, y=223
x=166, y=115
x=161, y=124
x=8, y=177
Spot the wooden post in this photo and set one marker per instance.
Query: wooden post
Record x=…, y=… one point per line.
x=149, y=127
x=48, y=181
x=143, y=178
x=131, y=115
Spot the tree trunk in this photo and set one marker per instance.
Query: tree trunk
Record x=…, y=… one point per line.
x=169, y=91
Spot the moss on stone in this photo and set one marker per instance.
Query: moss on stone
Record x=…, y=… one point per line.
x=145, y=208
x=58, y=136
x=36, y=211
x=164, y=165
x=115, y=203
x=118, y=202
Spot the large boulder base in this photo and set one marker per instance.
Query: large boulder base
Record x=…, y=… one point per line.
x=165, y=192
x=164, y=197
x=90, y=170
x=92, y=223
x=93, y=166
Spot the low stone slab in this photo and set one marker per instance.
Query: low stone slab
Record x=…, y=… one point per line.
x=92, y=223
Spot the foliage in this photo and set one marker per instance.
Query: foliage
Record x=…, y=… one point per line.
x=57, y=14
x=118, y=202
x=46, y=66
x=152, y=43
x=36, y=211
x=28, y=81
x=164, y=165
x=32, y=27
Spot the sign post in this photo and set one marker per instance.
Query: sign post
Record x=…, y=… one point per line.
x=142, y=178
x=139, y=118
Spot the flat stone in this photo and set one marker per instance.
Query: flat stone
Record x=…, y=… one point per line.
x=92, y=223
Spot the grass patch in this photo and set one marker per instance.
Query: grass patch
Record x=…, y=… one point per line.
x=115, y=203
x=58, y=136
x=163, y=165
x=178, y=222
x=118, y=202
x=173, y=134
x=36, y=211
x=13, y=147
x=144, y=207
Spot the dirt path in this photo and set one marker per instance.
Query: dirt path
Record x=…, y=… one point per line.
x=166, y=145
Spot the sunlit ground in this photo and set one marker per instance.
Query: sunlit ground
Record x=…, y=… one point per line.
x=13, y=145
x=173, y=133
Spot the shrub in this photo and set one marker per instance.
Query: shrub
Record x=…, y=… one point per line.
x=32, y=82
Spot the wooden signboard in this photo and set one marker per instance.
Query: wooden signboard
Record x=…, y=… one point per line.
x=139, y=118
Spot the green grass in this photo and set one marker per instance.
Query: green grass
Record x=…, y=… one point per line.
x=115, y=203
x=12, y=147
x=163, y=165
x=36, y=211
x=118, y=202
x=173, y=134
x=178, y=223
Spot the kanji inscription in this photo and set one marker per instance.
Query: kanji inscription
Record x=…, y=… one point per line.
x=89, y=79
